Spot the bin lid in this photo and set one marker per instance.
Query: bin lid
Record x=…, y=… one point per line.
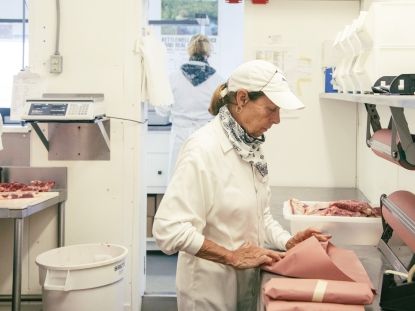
x=81, y=256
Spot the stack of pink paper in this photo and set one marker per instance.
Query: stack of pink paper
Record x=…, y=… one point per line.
x=311, y=294
x=331, y=279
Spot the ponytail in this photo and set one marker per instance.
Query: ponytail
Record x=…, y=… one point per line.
x=217, y=100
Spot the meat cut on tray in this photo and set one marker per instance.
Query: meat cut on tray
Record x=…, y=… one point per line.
x=16, y=190
x=352, y=208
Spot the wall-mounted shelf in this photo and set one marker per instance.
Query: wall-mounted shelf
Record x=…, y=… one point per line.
x=402, y=101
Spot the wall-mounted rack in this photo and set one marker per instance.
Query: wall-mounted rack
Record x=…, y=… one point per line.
x=395, y=143
x=403, y=101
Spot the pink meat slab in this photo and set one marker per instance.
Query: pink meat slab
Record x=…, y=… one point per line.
x=278, y=305
x=311, y=290
x=311, y=259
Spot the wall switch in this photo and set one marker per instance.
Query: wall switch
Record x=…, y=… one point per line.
x=56, y=63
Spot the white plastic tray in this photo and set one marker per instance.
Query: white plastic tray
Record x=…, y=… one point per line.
x=345, y=230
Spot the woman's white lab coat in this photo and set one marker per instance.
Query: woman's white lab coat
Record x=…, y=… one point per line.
x=214, y=195
x=189, y=111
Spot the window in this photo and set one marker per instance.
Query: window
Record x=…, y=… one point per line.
x=13, y=47
x=176, y=21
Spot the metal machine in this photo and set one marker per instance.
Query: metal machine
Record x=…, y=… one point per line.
x=394, y=143
x=66, y=110
x=64, y=107
x=398, y=246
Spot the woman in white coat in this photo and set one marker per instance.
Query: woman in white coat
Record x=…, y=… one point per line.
x=215, y=211
x=192, y=86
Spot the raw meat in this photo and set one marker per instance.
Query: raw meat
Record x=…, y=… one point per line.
x=16, y=190
x=349, y=208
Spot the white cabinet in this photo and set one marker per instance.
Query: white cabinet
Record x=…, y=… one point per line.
x=157, y=156
x=156, y=165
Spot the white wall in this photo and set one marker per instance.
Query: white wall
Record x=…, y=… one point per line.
x=105, y=198
x=316, y=146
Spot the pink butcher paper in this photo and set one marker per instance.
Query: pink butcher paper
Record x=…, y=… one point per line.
x=314, y=260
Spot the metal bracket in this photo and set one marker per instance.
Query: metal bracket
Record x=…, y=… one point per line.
x=373, y=120
x=402, y=147
x=39, y=133
x=400, y=125
x=45, y=142
x=103, y=132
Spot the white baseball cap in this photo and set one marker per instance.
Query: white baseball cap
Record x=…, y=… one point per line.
x=260, y=75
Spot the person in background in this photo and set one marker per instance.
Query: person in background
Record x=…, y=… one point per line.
x=192, y=88
x=215, y=211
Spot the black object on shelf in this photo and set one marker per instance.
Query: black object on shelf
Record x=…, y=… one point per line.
x=403, y=84
x=397, y=297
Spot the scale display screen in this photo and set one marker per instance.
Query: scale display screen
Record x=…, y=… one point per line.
x=45, y=109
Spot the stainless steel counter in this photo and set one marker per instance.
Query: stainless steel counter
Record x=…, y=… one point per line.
x=19, y=210
x=374, y=264
x=371, y=258
x=18, y=214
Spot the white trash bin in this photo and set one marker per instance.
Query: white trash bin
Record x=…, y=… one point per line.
x=87, y=277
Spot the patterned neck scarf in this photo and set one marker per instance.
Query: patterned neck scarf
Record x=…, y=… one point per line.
x=248, y=147
x=197, y=70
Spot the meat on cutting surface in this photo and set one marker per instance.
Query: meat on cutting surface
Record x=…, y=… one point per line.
x=350, y=208
x=16, y=190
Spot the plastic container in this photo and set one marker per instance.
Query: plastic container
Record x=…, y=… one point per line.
x=344, y=230
x=85, y=277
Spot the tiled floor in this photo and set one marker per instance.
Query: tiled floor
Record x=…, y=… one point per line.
x=161, y=273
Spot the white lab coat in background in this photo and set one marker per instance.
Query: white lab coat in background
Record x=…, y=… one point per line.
x=189, y=111
x=214, y=194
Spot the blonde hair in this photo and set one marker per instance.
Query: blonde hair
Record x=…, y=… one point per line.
x=199, y=45
x=218, y=101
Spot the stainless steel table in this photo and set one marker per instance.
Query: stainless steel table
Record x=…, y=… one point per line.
x=374, y=263
x=372, y=259
x=18, y=214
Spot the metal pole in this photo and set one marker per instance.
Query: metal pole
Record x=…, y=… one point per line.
x=17, y=264
x=61, y=224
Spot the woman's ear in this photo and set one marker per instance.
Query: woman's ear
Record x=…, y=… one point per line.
x=242, y=97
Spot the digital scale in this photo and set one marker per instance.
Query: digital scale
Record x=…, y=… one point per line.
x=64, y=107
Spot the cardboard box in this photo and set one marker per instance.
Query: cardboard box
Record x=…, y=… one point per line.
x=150, y=221
x=345, y=230
x=159, y=197
x=151, y=205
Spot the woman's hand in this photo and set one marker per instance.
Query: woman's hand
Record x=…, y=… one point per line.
x=251, y=256
x=305, y=234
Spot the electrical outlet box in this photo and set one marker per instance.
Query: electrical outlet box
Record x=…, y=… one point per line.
x=56, y=63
